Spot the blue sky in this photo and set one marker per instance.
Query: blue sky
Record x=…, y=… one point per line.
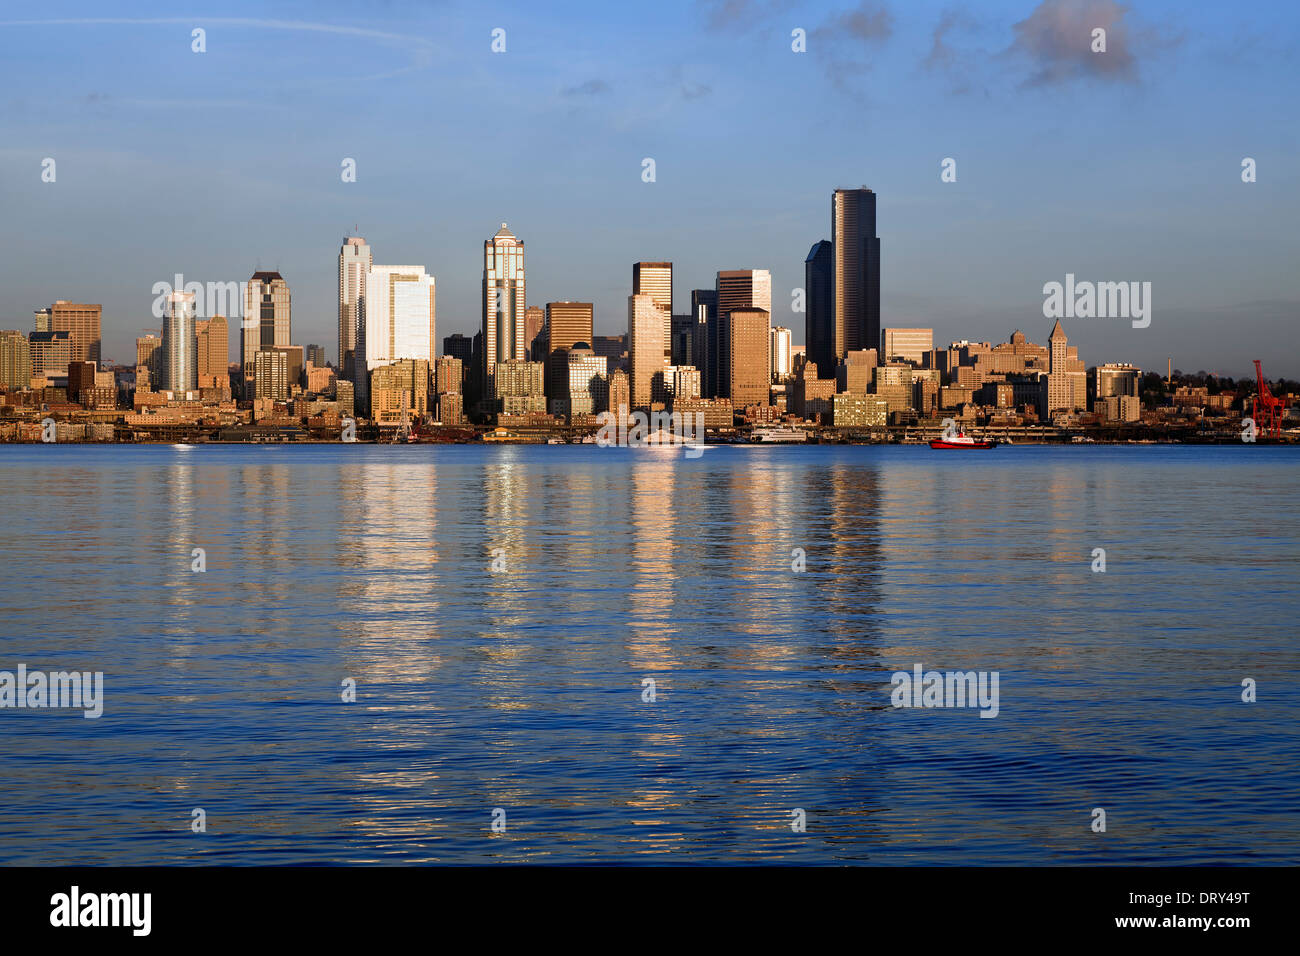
x=1116, y=166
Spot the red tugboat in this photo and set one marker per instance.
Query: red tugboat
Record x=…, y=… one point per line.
x=961, y=440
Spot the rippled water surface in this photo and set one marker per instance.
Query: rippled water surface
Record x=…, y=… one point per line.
x=522, y=689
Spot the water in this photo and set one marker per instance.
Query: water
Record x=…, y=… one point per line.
x=522, y=690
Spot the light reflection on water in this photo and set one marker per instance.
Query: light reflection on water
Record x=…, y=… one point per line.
x=522, y=689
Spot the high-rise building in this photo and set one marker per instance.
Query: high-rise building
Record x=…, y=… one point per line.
x=15, y=360
x=1067, y=382
x=398, y=321
x=856, y=254
x=1116, y=379
x=448, y=375
x=534, y=333
x=399, y=389
x=145, y=348
x=567, y=324
x=683, y=344
x=779, y=350
x=749, y=333
x=503, y=302
x=82, y=323
x=856, y=372
x=704, y=310
x=271, y=374
x=619, y=393
x=179, y=368
x=819, y=305
x=212, y=344
x=738, y=289
x=266, y=322
x=50, y=352
x=613, y=348
x=584, y=383
x=655, y=279
x=906, y=345
x=461, y=346
x=316, y=354
x=645, y=325
x=355, y=260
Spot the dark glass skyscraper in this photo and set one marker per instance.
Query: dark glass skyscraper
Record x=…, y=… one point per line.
x=704, y=307
x=856, y=254
x=819, y=305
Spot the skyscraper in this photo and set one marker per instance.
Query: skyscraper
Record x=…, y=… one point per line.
x=266, y=322
x=856, y=253
x=748, y=372
x=82, y=323
x=180, y=361
x=655, y=279
x=213, y=352
x=534, y=329
x=398, y=321
x=819, y=303
x=503, y=302
x=461, y=346
x=780, y=353
x=738, y=289
x=645, y=328
x=355, y=260
x=567, y=324
x=15, y=360
x=704, y=308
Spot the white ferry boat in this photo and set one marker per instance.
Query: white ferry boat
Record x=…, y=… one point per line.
x=779, y=435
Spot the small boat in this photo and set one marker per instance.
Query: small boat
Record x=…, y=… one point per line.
x=962, y=440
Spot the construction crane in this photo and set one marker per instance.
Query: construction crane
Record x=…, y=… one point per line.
x=1268, y=407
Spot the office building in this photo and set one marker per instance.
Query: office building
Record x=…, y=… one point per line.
x=503, y=302
x=398, y=321
x=856, y=255
x=738, y=289
x=399, y=390
x=655, y=279
x=704, y=312
x=1112, y=380
x=179, y=367
x=355, y=260
x=266, y=321
x=819, y=305
x=316, y=355
x=645, y=323
x=15, y=360
x=82, y=323
x=461, y=346
x=212, y=348
x=568, y=324
x=780, y=353
x=535, y=333
x=749, y=333
x=271, y=374
x=906, y=345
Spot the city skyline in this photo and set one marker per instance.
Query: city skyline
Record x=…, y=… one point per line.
x=1143, y=200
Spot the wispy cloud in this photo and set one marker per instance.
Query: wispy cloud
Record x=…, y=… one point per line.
x=1056, y=42
x=846, y=40
x=420, y=50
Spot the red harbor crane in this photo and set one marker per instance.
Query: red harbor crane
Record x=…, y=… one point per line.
x=1268, y=407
